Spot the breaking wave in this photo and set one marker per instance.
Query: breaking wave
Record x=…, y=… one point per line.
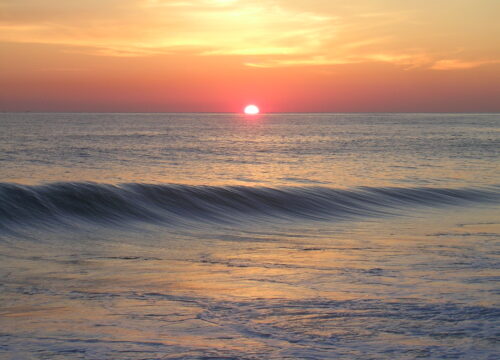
x=67, y=203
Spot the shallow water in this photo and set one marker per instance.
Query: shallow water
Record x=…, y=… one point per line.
x=299, y=236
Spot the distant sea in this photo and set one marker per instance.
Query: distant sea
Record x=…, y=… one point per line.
x=225, y=236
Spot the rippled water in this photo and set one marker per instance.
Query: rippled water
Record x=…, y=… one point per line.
x=210, y=236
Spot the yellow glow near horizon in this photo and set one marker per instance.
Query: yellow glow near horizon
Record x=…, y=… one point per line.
x=251, y=41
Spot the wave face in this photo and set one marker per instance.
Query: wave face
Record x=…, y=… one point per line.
x=71, y=203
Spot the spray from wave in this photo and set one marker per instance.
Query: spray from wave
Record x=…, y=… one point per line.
x=66, y=203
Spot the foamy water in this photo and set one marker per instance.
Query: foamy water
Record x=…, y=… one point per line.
x=209, y=236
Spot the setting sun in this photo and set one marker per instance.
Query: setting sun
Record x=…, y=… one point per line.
x=251, y=110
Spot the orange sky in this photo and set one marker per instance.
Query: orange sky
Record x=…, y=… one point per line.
x=219, y=55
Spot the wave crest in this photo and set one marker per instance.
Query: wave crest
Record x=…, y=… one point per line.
x=63, y=203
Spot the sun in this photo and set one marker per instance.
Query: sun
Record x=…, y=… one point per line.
x=251, y=110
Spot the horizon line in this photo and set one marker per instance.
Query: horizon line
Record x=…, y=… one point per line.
x=241, y=113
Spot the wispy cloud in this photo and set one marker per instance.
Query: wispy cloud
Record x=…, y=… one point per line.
x=265, y=33
x=228, y=27
x=318, y=60
x=456, y=64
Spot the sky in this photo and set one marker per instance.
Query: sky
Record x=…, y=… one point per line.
x=220, y=55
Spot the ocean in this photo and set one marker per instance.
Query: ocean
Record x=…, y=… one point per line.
x=225, y=236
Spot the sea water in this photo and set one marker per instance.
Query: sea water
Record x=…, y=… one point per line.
x=224, y=236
